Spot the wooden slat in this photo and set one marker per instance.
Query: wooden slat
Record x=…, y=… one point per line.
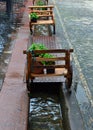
x=50, y=66
x=45, y=15
x=58, y=72
x=48, y=51
x=50, y=59
x=42, y=22
x=42, y=11
x=45, y=75
x=53, y=51
x=44, y=6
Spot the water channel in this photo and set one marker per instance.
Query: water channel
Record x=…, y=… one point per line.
x=47, y=108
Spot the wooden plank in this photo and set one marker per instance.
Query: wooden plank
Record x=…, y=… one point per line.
x=49, y=66
x=45, y=15
x=50, y=59
x=58, y=72
x=49, y=51
x=42, y=11
x=44, y=6
x=40, y=22
x=54, y=51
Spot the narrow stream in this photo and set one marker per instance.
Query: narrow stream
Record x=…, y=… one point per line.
x=45, y=108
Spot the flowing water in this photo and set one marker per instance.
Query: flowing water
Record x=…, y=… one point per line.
x=46, y=108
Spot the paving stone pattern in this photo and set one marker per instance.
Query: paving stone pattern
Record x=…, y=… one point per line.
x=74, y=25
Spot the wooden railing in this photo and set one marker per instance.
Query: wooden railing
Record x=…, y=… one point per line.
x=62, y=66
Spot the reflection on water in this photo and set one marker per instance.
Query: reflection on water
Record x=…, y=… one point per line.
x=45, y=111
x=45, y=114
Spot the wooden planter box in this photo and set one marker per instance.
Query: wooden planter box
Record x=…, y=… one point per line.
x=37, y=68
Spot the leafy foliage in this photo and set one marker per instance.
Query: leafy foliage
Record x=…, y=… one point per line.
x=37, y=46
x=40, y=3
x=47, y=55
x=33, y=16
x=40, y=46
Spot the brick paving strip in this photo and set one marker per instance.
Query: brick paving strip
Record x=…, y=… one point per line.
x=13, y=96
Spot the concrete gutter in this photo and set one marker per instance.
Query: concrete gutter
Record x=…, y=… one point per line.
x=13, y=96
x=74, y=114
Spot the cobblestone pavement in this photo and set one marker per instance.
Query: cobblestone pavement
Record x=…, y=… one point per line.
x=74, y=29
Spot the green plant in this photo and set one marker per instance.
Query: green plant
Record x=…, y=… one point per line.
x=47, y=55
x=40, y=46
x=37, y=46
x=40, y=3
x=33, y=15
x=52, y=69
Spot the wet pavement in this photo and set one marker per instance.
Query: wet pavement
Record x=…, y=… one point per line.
x=74, y=30
x=13, y=96
x=74, y=24
x=9, y=27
